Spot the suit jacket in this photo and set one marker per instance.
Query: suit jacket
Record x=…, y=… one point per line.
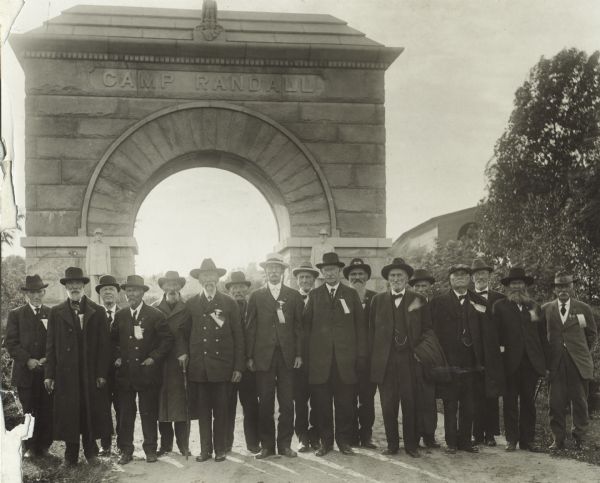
x=331, y=331
x=215, y=352
x=68, y=362
x=577, y=337
x=156, y=343
x=494, y=365
x=25, y=339
x=264, y=332
x=520, y=335
x=381, y=338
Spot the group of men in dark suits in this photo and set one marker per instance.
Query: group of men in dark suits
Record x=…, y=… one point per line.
x=315, y=349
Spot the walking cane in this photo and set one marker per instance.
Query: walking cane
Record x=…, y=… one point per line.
x=187, y=410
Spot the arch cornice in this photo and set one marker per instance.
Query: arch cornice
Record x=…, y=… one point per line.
x=114, y=147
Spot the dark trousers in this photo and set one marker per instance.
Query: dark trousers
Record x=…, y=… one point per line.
x=281, y=378
x=249, y=401
x=568, y=386
x=305, y=422
x=167, y=434
x=334, y=391
x=36, y=401
x=364, y=405
x=487, y=412
x=212, y=400
x=113, y=394
x=519, y=406
x=426, y=408
x=148, y=407
x=399, y=389
x=232, y=398
x=458, y=411
x=90, y=449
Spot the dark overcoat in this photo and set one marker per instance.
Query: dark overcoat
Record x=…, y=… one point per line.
x=25, y=339
x=264, y=331
x=332, y=331
x=520, y=334
x=172, y=401
x=577, y=335
x=418, y=325
x=495, y=379
x=215, y=351
x=156, y=342
x=63, y=356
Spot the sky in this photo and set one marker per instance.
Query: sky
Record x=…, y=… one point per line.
x=448, y=99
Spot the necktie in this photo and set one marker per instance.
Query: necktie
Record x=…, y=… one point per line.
x=76, y=308
x=37, y=311
x=134, y=315
x=332, y=293
x=563, y=309
x=462, y=298
x=109, y=316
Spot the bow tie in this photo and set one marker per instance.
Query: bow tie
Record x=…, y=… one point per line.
x=396, y=296
x=304, y=296
x=462, y=297
x=483, y=292
x=75, y=305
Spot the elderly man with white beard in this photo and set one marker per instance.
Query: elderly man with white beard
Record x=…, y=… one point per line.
x=523, y=344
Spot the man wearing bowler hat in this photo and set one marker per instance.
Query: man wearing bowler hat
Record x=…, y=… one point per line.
x=141, y=341
x=358, y=274
x=238, y=288
x=523, y=345
x=571, y=331
x=172, y=398
x=422, y=282
x=216, y=349
x=77, y=362
x=305, y=421
x=456, y=317
x=337, y=346
x=108, y=291
x=487, y=413
x=26, y=343
x=274, y=350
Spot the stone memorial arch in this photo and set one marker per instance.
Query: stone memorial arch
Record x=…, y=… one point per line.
x=118, y=99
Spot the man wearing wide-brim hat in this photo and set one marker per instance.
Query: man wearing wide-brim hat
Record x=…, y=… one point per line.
x=422, y=282
x=216, y=350
x=141, y=341
x=78, y=356
x=358, y=273
x=337, y=346
x=457, y=317
x=26, y=343
x=172, y=398
x=523, y=343
x=305, y=420
x=572, y=333
x=274, y=350
x=487, y=411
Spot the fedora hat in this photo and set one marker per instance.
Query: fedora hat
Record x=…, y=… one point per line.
x=207, y=265
x=517, y=273
x=357, y=263
x=563, y=278
x=305, y=267
x=107, y=281
x=330, y=258
x=421, y=275
x=274, y=259
x=459, y=266
x=74, y=274
x=397, y=263
x=479, y=264
x=237, y=278
x=171, y=275
x=33, y=282
x=135, y=281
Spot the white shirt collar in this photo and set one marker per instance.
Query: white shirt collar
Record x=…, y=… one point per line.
x=274, y=287
x=207, y=295
x=136, y=309
x=567, y=304
x=113, y=309
x=335, y=287
x=403, y=291
x=485, y=289
x=459, y=295
x=33, y=307
x=302, y=292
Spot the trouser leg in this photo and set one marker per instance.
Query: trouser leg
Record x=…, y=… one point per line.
x=577, y=390
x=323, y=397
x=205, y=416
x=265, y=386
x=558, y=400
x=249, y=402
x=511, y=406
x=343, y=397
x=148, y=402
x=407, y=392
x=366, y=406
x=451, y=422
x=301, y=396
x=527, y=411
x=390, y=401
x=165, y=428
x=218, y=398
x=128, y=411
x=231, y=414
x=466, y=410
x=182, y=436
x=285, y=400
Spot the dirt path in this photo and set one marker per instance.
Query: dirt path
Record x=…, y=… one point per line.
x=491, y=465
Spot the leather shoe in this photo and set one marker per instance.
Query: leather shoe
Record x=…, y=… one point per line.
x=431, y=443
x=557, y=446
x=288, y=452
x=220, y=457
x=124, y=459
x=163, y=451
x=104, y=452
x=185, y=452
x=469, y=449
x=264, y=453
x=346, y=449
x=451, y=450
x=323, y=450
x=389, y=451
x=304, y=448
x=490, y=441
x=413, y=452
x=202, y=457
x=253, y=449
x=368, y=444
x=151, y=458
x=510, y=447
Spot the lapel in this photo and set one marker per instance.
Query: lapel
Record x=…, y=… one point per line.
x=386, y=308
x=571, y=317
x=555, y=315
x=88, y=312
x=64, y=310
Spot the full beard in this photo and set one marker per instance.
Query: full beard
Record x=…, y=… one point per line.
x=518, y=296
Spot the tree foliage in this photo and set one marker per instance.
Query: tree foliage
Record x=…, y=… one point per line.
x=13, y=277
x=542, y=209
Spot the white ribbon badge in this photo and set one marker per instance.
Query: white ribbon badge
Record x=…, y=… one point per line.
x=345, y=306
